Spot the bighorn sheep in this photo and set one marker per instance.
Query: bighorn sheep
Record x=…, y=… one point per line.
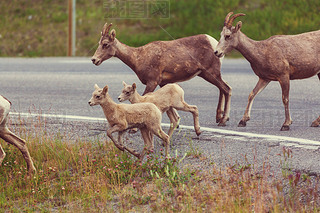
x=11, y=138
x=145, y=116
x=316, y=122
x=279, y=58
x=167, y=98
x=163, y=62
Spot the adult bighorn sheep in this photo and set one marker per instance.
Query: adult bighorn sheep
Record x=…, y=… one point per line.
x=11, y=138
x=163, y=62
x=279, y=58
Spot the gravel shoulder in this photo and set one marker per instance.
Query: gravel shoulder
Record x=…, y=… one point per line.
x=202, y=153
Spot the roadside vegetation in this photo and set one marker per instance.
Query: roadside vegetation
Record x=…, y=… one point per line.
x=93, y=176
x=39, y=28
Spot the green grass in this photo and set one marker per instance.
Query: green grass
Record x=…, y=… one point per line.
x=40, y=28
x=91, y=175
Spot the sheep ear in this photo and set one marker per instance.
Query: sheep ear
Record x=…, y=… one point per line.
x=105, y=90
x=239, y=25
x=96, y=87
x=134, y=86
x=124, y=83
x=112, y=35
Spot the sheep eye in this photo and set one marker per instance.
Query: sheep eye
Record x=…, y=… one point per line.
x=227, y=37
x=105, y=46
x=98, y=97
x=127, y=93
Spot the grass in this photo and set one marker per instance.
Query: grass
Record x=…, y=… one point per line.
x=40, y=28
x=93, y=176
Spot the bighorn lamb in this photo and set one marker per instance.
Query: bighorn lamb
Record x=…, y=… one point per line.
x=279, y=58
x=167, y=98
x=163, y=62
x=11, y=138
x=145, y=116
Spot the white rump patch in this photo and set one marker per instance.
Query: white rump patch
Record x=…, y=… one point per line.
x=214, y=44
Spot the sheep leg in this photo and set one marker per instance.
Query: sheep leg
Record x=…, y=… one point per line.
x=120, y=129
x=165, y=138
x=215, y=79
x=111, y=130
x=220, y=107
x=2, y=154
x=173, y=121
x=195, y=112
x=11, y=138
x=285, y=86
x=148, y=143
x=176, y=117
x=258, y=88
x=132, y=151
x=316, y=122
x=150, y=87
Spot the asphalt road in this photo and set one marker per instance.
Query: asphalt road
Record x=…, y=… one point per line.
x=63, y=86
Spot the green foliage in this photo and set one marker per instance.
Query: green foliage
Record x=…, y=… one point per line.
x=24, y=22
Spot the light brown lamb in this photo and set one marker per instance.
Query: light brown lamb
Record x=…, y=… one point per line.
x=11, y=138
x=167, y=98
x=121, y=117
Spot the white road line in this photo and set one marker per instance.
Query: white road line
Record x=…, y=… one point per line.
x=290, y=141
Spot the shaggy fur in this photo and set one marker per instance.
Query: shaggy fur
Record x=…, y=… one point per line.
x=167, y=98
x=121, y=117
x=163, y=62
x=279, y=58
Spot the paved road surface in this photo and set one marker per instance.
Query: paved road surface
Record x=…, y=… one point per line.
x=63, y=86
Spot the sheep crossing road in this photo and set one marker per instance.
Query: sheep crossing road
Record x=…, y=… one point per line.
x=61, y=87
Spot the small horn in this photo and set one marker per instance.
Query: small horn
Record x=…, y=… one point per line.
x=106, y=29
x=227, y=18
x=229, y=24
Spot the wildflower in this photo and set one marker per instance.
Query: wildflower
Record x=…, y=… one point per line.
x=104, y=167
x=62, y=188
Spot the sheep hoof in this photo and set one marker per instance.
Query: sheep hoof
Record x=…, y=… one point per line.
x=242, y=123
x=222, y=124
x=314, y=124
x=198, y=132
x=32, y=171
x=285, y=128
x=133, y=131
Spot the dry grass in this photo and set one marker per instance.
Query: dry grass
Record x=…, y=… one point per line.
x=93, y=176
